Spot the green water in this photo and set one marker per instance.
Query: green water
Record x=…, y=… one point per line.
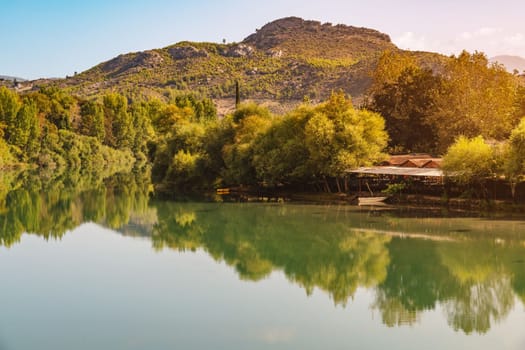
x=98, y=266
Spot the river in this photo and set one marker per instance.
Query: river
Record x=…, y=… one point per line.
x=101, y=266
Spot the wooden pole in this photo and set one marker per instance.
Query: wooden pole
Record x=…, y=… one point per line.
x=237, y=94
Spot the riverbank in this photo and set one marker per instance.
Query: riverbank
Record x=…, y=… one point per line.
x=412, y=202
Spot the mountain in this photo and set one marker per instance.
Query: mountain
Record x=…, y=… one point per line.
x=510, y=62
x=9, y=78
x=285, y=60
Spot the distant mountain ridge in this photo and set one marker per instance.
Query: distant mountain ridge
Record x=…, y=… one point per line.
x=285, y=60
x=10, y=78
x=511, y=63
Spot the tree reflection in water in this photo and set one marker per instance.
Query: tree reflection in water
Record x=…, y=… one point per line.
x=51, y=208
x=473, y=277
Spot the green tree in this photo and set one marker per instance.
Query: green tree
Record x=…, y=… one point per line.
x=9, y=106
x=312, y=143
x=514, y=165
x=92, y=120
x=250, y=109
x=280, y=154
x=180, y=160
x=249, y=121
x=59, y=107
x=183, y=173
x=166, y=118
x=19, y=123
x=6, y=158
x=26, y=132
x=469, y=162
x=143, y=130
x=118, y=122
x=251, y=146
x=217, y=135
x=407, y=104
x=339, y=137
x=203, y=108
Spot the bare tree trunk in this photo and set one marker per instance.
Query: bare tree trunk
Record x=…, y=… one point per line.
x=327, y=185
x=338, y=185
x=484, y=191
x=446, y=190
x=369, y=189
x=237, y=95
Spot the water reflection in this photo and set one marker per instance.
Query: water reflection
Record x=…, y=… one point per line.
x=49, y=208
x=474, y=273
x=255, y=240
x=471, y=269
x=471, y=279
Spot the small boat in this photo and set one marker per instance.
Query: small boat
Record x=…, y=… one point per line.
x=221, y=191
x=371, y=200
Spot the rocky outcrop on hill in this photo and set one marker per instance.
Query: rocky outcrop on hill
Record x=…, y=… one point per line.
x=133, y=62
x=187, y=51
x=276, y=32
x=240, y=50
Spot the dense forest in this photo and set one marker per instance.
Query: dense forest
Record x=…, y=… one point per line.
x=468, y=110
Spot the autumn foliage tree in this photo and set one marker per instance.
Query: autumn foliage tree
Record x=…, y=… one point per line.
x=427, y=109
x=477, y=99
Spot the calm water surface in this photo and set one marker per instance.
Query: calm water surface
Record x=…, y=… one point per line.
x=100, y=267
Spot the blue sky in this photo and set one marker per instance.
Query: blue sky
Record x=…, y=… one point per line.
x=54, y=38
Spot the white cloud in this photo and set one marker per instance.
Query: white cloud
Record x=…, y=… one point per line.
x=490, y=40
x=478, y=33
x=516, y=40
x=487, y=31
x=411, y=41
